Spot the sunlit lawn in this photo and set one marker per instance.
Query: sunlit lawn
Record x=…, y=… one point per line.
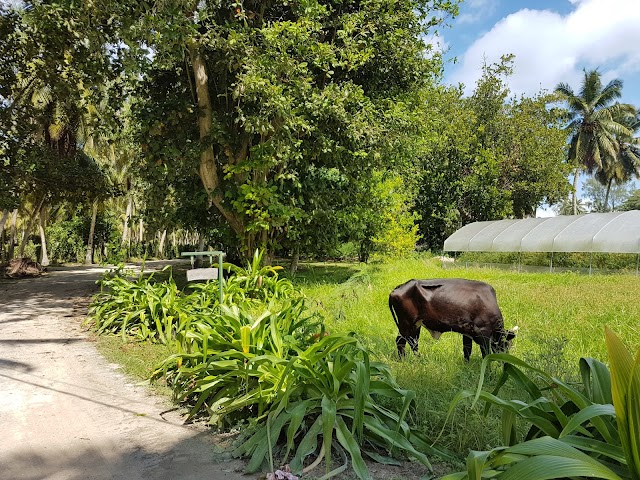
x=561, y=318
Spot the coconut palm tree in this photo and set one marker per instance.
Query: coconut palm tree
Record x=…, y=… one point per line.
x=593, y=127
x=626, y=164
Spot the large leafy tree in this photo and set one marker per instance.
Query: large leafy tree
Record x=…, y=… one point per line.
x=606, y=197
x=269, y=94
x=594, y=123
x=488, y=156
x=633, y=202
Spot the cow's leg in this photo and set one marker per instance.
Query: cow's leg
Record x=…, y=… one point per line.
x=467, y=346
x=401, y=341
x=485, y=345
x=414, y=338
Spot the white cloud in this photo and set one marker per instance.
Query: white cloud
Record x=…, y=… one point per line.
x=552, y=48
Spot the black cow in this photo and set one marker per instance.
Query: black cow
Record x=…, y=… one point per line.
x=449, y=305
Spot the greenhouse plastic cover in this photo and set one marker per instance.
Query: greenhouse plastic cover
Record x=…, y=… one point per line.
x=615, y=232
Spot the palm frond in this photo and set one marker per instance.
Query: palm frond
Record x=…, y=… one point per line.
x=612, y=91
x=591, y=86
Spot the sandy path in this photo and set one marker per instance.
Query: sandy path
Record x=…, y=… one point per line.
x=65, y=413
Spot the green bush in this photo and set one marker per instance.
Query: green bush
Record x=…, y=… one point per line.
x=296, y=385
x=140, y=307
x=66, y=241
x=589, y=430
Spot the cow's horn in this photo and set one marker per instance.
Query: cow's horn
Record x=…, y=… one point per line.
x=515, y=329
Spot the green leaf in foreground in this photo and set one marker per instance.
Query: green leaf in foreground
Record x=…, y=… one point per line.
x=625, y=389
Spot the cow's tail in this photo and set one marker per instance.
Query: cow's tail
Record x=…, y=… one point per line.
x=393, y=312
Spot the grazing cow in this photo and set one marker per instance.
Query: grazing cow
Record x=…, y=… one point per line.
x=449, y=305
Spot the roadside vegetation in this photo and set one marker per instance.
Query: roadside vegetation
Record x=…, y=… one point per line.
x=562, y=318
x=262, y=361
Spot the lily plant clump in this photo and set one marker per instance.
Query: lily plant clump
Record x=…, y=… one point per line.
x=262, y=359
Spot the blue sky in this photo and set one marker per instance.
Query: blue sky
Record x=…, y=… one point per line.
x=552, y=40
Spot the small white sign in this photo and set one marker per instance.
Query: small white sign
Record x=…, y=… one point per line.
x=202, y=274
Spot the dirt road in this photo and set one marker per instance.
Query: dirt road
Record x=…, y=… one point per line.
x=66, y=414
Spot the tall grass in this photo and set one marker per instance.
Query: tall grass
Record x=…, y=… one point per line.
x=561, y=318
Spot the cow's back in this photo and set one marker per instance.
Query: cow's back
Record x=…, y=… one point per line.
x=464, y=306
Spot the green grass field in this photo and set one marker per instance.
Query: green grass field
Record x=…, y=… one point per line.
x=561, y=318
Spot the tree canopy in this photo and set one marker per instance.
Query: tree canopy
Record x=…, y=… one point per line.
x=296, y=127
x=489, y=156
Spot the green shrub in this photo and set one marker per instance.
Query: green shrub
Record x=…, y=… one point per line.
x=590, y=430
x=66, y=242
x=296, y=385
x=332, y=398
x=158, y=311
x=140, y=307
x=229, y=364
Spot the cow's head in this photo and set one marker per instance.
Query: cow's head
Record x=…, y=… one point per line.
x=502, y=340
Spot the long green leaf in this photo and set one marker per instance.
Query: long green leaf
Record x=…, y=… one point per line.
x=596, y=380
x=297, y=416
x=544, y=467
x=614, y=452
x=348, y=442
x=509, y=433
x=308, y=445
x=328, y=424
x=476, y=462
x=363, y=377
x=625, y=389
x=586, y=414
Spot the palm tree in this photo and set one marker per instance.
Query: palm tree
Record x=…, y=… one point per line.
x=626, y=163
x=565, y=207
x=593, y=127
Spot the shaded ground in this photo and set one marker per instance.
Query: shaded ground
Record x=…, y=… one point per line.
x=65, y=413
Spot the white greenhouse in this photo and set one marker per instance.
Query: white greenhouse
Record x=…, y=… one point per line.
x=615, y=232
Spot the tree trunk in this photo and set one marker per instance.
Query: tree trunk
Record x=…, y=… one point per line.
x=127, y=218
x=3, y=221
x=606, y=196
x=44, y=257
x=295, y=259
x=27, y=231
x=12, y=235
x=5, y=216
x=140, y=231
x=88, y=258
x=163, y=238
x=575, y=191
x=208, y=169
